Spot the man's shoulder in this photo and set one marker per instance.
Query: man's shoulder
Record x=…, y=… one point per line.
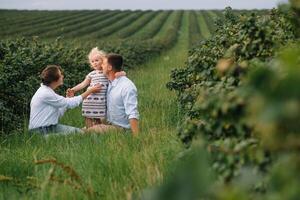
x=126, y=82
x=42, y=90
x=126, y=79
x=42, y=93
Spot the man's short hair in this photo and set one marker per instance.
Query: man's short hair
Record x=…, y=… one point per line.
x=116, y=61
x=50, y=74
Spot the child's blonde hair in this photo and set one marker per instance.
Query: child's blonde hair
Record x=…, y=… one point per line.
x=96, y=51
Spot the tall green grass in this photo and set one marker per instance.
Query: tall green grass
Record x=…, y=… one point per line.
x=110, y=166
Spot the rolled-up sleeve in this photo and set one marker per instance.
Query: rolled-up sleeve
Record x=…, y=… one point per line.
x=58, y=101
x=131, y=103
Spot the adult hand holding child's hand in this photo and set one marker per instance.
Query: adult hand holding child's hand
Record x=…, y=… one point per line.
x=70, y=93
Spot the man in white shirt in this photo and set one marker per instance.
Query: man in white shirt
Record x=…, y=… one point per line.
x=122, y=104
x=47, y=107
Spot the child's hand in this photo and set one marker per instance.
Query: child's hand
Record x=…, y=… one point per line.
x=70, y=93
x=95, y=88
x=121, y=73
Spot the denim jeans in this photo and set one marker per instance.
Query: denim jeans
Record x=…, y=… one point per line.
x=58, y=128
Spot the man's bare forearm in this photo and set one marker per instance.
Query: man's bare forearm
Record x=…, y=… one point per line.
x=134, y=124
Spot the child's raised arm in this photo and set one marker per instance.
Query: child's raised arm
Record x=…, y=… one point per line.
x=82, y=85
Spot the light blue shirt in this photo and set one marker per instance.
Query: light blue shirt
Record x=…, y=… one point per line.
x=122, y=103
x=46, y=107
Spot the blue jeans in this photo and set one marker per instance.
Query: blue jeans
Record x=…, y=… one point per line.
x=58, y=128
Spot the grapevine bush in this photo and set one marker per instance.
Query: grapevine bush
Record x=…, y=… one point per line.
x=211, y=90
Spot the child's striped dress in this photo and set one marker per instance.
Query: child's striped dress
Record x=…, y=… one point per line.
x=94, y=106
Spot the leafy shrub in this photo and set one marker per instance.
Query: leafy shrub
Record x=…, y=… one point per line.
x=210, y=88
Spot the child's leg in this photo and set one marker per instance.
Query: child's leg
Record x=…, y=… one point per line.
x=88, y=122
x=104, y=121
x=97, y=121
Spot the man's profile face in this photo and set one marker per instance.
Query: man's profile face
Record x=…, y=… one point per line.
x=60, y=81
x=105, y=66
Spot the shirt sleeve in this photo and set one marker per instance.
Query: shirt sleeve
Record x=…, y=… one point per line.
x=131, y=103
x=62, y=111
x=58, y=101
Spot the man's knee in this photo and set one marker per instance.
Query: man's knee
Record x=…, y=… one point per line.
x=65, y=129
x=101, y=128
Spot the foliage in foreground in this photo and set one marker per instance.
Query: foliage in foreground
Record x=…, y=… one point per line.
x=239, y=94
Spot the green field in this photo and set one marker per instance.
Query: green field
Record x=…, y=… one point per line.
x=104, y=24
x=218, y=102
x=112, y=166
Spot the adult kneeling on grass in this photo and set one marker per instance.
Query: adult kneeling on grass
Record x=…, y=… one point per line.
x=122, y=104
x=47, y=107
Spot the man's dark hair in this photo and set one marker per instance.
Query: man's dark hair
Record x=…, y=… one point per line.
x=116, y=61
x=50, y=74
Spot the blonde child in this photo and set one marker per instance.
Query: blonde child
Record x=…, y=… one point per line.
x=94, y=106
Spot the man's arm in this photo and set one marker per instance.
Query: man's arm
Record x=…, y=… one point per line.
x=94, y=89
x=131, y=108
x=134, y=124
x=58, y=101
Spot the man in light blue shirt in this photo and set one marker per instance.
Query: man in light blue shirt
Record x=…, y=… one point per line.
x=46, y=107
x=122, y=104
